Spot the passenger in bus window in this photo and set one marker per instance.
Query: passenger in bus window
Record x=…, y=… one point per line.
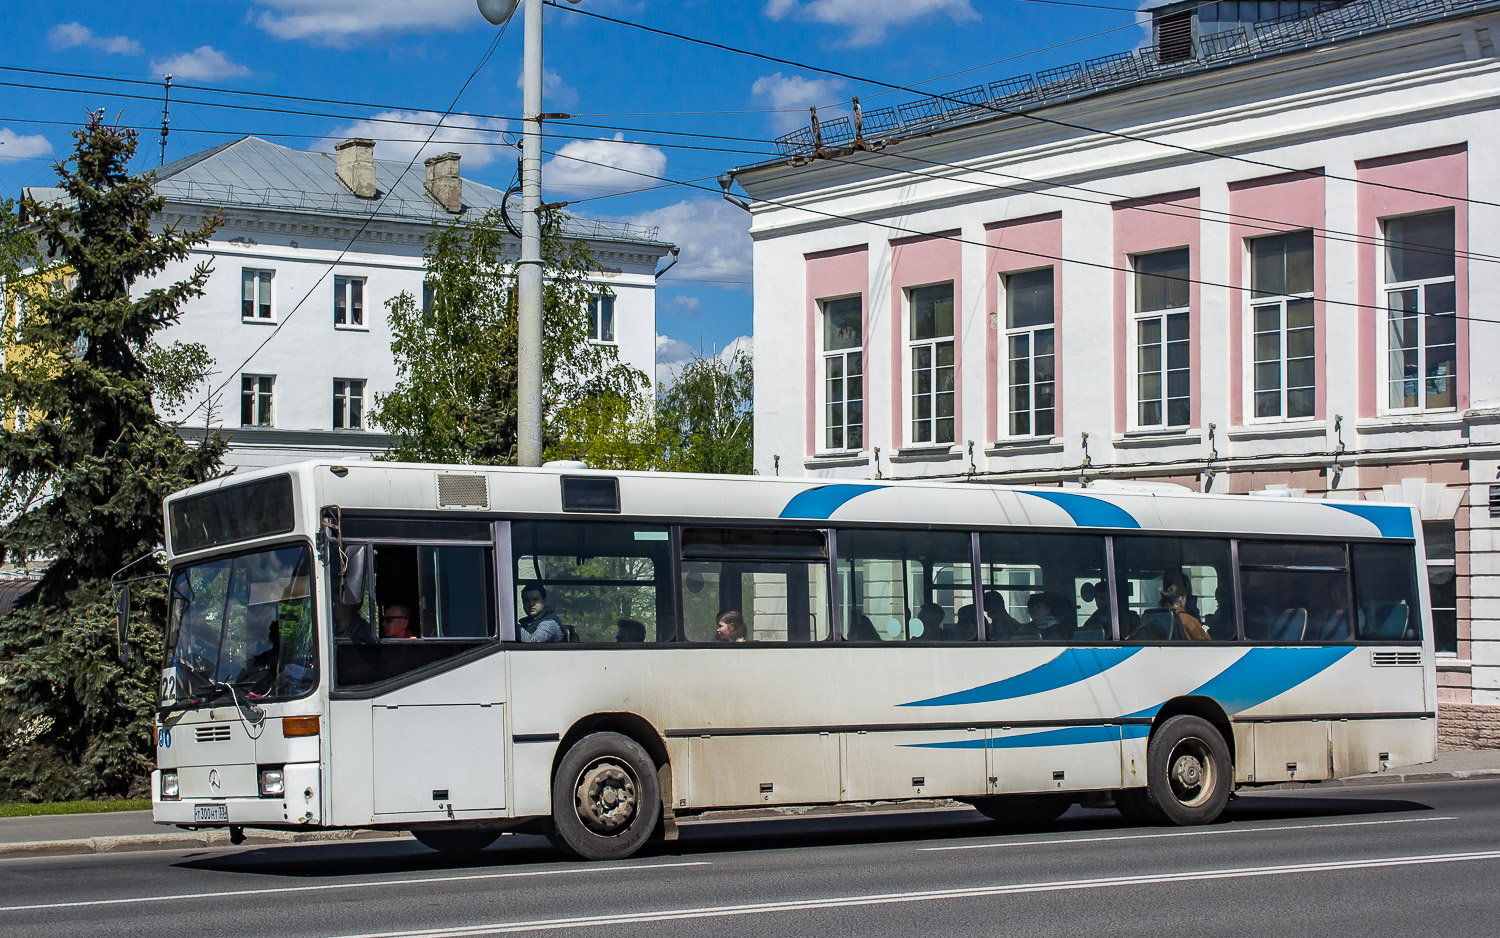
x=930, y=616
x=1000, y=625
x=863, y=630
x=630, y=630
x=730, y=626
x=965, y=626
x=1041, y=610
x=1220, y=622
x=540, y=624
x=1177, y=596
x=350, y=626
x=395, y=622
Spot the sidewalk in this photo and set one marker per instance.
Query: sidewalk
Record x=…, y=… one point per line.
x=51, y=835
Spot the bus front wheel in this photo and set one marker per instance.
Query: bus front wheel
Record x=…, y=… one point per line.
x=1187, y=771
x=606, y=798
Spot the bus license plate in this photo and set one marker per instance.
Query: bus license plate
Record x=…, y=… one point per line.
x=210, y=812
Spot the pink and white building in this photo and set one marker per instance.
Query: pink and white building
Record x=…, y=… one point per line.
x=1249, y=262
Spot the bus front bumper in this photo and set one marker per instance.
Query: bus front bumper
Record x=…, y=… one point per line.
x=299, y=805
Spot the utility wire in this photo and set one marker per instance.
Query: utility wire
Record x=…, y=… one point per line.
x=906, y=232
x=348, y=246
x=1197, y=151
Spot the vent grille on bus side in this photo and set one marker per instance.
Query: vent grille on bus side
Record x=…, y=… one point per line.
x=462, y=490
x=213, y=734
x=1395, y=659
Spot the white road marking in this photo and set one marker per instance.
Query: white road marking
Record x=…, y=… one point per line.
x=836, y=902
x=1194, y=833
x=367, y=884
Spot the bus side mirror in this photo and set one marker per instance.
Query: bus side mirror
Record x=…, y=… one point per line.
x=352, y=580
x=122, y=625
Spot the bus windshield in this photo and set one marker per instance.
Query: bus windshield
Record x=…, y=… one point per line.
x=243, y=623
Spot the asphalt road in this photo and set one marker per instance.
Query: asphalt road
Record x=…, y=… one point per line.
x=1379, y=860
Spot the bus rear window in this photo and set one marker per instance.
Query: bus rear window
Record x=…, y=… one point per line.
x=1385, y=593
x=233, y=513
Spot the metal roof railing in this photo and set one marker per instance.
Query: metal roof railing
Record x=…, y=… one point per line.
x=1053, y=85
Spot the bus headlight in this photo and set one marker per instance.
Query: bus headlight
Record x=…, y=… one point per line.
x=272, y=782
x=169, y=790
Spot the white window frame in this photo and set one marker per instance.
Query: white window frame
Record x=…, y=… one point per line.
x=1007, y=361
x=933, y=347
x=1138, y=318
x=343, y=288
x=828, y=359
x=597, y=304
x=1282, y=304
x=263, y=406
x=1387, y=290
x=264, y=294
x=343, y=394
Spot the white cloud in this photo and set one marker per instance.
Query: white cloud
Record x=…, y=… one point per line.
x=71, y=35
x=594, y=166
x=690, y=303
x=202, y=63
x=557, y=95
x=792, y=95
x=714, y=237
x=336, y=22
x=475, y=139
x=13, y=146
x=869, y=20
x=673, y=355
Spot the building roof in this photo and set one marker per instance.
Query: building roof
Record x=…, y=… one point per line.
x=1023, y=93
x=253, y=173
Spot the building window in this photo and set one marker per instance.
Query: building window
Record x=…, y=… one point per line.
x=1281, y=311
x=843, y=373
x=348, y=403
x=931, y=348
x=1442, y=583
x=255, y=400
x=1163, y=395
x=1421, y=322
x=429, y=289
x=349, y=301
x=1029, y=342
x=255, y=294
x=602, y=318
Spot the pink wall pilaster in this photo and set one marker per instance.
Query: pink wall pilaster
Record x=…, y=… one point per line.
x=1289, y=202
x=1443, y=172
x=916, y=262
x=1142, y=226
x=1019, y=244
x=830, y=274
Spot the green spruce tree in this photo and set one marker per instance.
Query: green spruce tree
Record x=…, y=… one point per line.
x=86, y=462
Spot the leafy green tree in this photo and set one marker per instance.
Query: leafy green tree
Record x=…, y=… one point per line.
x=85, y=474
x=455, y=396
x=706, y=417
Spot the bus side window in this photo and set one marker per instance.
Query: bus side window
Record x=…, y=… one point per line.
x=1044, y=587
x=1295, y=592
x=1385, y=593
x=777, y=579
x=606, y=582
x=1175, y=589
x=910, y=586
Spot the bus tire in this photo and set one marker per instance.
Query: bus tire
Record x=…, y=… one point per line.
x=461, y=842
x=1188, y=775
x=606, y=798
x=1024, y=812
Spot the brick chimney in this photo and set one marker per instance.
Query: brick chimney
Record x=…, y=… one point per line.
x=356, y=166
x=443, y=182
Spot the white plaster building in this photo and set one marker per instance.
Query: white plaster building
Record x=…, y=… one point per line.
x=1172, y=265
x=289, y=287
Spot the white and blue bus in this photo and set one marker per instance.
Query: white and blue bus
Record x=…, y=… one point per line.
x=348, y=648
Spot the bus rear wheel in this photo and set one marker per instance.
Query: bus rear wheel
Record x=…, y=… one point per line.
x=1188, y=775
x=462, y=842
x=1024, y=812
x=606, y=799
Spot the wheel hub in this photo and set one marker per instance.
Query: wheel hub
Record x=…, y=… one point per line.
x=1188, y=772
x=606, y=798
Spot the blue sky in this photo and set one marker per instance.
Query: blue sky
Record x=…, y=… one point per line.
x=409, y=58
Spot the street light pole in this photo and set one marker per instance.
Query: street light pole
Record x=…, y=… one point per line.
x=529, y=275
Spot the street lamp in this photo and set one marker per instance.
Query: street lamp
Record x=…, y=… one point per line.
x=529, y=292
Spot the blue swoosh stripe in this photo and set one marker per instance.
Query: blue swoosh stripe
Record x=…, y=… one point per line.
x=821, y=502
x=1087, y=511
x=1263, y=673
x=1392, y=521
x=1069, y=736
x=1069, y=667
